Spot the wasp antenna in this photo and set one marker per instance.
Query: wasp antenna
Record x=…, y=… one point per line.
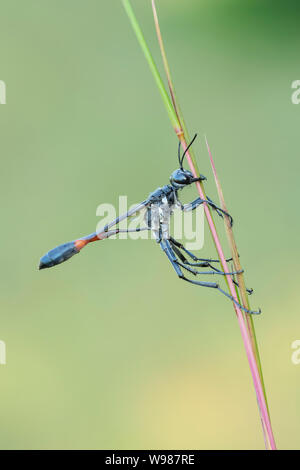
x=179, y=158
x=184, y=153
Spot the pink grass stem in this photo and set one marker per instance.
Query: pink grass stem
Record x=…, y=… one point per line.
x=243, y=329
x=249, y=321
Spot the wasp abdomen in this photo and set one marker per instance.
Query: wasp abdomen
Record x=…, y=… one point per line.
x=58, y=255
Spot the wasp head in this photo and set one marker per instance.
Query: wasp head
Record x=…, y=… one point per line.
x=181, y=178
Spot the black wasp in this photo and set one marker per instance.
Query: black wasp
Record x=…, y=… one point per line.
x=158, y=209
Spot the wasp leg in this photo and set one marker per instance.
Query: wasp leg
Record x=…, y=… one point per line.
x=249, y=291
x=110, y=233
x=195, y=272
x=185, y=264
x=167, y=248
x=194, y=257
x=218, y=271
x=197, y=202
x=205, y=264
x=220, y=211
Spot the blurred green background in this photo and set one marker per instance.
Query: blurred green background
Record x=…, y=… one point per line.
x=110, y=350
